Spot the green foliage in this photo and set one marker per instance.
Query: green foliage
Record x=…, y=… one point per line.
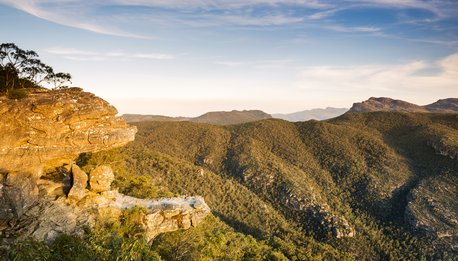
x=213, y=240
x=17, y=94
x=29, y=251
x=363, y=166
x=367, y=164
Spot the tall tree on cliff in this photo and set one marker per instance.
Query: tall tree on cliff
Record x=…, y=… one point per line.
x=22, y=69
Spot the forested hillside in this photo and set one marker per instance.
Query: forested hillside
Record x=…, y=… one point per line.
x=379, y=185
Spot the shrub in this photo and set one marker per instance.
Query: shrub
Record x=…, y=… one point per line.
x=17, y=94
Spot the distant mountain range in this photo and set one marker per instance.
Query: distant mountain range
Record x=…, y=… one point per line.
x=388, y=104
x=231, y=117
x=315, y=114
x=141, y=117
x=372, y=104
x=216, y=117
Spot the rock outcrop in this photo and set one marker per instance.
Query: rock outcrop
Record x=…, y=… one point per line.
x=386, y=104
x=44, y=133
x=444, y=105
x=49, y=128
x=433, y=210
x=449, y=105
x=100, y=178
x=45, y=130
x=49, y=217
x=79, y=183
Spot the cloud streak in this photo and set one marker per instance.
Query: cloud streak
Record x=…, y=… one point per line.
x=258, y=13
x=83, y=55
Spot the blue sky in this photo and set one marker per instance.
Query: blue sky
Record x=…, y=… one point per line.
x=177, y=57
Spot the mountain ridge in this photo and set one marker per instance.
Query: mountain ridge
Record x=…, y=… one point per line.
x=213, y=117
x=447, y=105
x=388, y=104
x=312, y=114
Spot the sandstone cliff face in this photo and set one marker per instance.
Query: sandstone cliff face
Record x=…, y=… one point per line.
x=47, y=131
x=51, y=127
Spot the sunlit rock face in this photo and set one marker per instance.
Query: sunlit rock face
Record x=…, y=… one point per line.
x=47, y=130
x=50, y=127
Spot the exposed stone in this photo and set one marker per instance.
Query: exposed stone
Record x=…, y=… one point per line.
x=48, y=129
x=449, y=105
x=100, y=178
x=54, y=127
x=445, y=148
x=79, y=183
x=50, y=218
x=18, y=192
x=45, y=130
x=432, y=209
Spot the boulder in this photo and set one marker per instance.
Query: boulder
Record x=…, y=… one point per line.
x=100, y=178
x=18, y=191
x=79, y=183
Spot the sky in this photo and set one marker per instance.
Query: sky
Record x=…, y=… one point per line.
x=188, y=57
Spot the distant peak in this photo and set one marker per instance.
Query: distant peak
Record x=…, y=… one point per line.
x=389, y=104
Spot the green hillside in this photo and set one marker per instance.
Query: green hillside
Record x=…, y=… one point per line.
x=347, y=188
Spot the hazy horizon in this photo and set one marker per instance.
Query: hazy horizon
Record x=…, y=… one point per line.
x=185, y=58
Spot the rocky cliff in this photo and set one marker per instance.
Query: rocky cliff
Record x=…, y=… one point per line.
x=51, y=127
x=449, y=105
x=385, y=104
x=44, y=193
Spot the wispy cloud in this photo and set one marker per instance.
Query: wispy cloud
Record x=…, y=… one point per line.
x=360, y=29
x=87, y=15
x=259, y=64
x=68, y=13
x=83, y=55
x=221, y=4
x=383, y=78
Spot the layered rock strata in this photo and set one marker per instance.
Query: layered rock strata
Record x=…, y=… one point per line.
x=49, y=128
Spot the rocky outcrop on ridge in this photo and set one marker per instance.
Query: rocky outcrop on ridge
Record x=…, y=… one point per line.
x=51, y=216
x=433, y=209
x=449, y=105
x=44, y=133
x=443, y=105
x=45, y=130
x=49, y=128
x=386, y=104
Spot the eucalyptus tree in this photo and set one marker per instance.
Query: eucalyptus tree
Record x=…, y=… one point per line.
x=22, y=69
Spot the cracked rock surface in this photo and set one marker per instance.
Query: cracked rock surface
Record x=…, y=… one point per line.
x=49, y=127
